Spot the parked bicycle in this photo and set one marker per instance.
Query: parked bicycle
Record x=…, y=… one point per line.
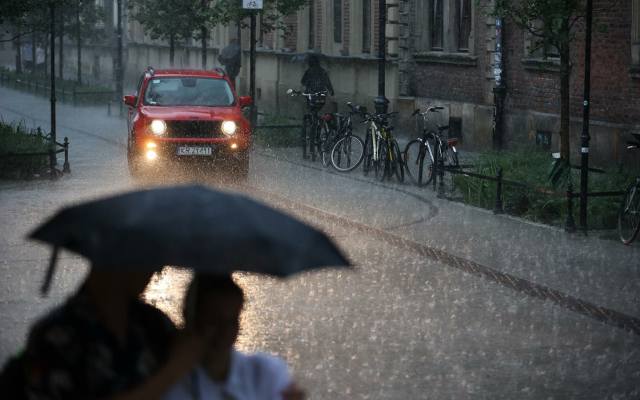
x=381, y=150
x=420, y=153
x=314, y=126
x=347, y=151
x=629, y=213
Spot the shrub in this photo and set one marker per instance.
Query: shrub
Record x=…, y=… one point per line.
x=277, y=137
x=16, y=139
x=538, y=200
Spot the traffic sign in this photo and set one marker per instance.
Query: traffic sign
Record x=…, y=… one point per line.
x=252, y=4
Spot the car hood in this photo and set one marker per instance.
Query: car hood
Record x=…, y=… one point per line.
x=190, y=113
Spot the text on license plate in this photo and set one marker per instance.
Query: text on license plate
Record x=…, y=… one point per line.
x=194, y=150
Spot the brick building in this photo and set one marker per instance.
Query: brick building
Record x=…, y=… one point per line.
x=453, y=45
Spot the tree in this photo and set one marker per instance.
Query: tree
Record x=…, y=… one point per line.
x=169, y=20
x=551, y=23
x=82, y=26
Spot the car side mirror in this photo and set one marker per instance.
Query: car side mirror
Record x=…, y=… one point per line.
x=245, y=101
x=130, y=100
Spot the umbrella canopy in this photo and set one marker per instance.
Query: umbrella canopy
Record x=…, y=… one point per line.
x=189, y=226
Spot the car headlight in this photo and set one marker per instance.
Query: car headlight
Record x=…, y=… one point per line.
x=229, y=127
x=158, y=127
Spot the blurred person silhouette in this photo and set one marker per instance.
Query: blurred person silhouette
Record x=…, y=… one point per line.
x=104, y=342
x=231, y=58
x=214, y=304
x=315, y=78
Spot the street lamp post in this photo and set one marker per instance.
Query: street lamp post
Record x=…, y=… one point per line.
x=52, y=10
x=381, y=102
x=585, y=137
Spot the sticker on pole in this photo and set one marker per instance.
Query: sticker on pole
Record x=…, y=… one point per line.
x=252, y=4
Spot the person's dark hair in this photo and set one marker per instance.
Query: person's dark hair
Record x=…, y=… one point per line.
x=313, y=60
x=208, y=284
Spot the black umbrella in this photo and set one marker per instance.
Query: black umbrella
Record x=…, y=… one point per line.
x=188, y=226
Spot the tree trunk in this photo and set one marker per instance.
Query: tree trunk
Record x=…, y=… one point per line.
x=565, y=102
x=46, y=54
x=18, y=44
x=33, y=53
x=204, y=47
x=79, y=44
x=172, y=49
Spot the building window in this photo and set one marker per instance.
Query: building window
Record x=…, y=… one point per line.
x=366, y=26
x=445, y=26
x=463, y=20
x=337, y=21
x=437, y=24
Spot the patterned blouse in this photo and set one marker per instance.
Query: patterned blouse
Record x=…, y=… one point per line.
x=71, y=355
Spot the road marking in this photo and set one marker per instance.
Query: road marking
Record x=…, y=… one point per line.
x=602, y=314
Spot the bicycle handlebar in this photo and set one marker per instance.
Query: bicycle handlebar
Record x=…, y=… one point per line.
x=293, y=92
x=429, y=109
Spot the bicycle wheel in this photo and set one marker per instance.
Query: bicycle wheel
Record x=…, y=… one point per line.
x=396, y=162
x=418, y=160
x=381, y=165
x=368, y=155
x=452, y=158
x=347, y=153
x=315, y=139
x=629, y=214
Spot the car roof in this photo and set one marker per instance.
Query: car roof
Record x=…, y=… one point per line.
x=189, y=72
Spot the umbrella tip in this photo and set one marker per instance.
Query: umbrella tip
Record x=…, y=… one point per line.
x=46, y=285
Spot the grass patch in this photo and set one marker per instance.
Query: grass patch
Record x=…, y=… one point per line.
x=277, y=137
x=16, y=139
x=540, y=201
x=40, y=84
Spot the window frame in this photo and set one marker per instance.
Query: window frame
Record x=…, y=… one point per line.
x=338, y=21
x=450, y=50
x=635, y=36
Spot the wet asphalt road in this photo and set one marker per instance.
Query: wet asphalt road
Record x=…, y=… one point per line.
x=400, y=326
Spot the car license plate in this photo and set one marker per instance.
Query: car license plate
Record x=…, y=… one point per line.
x=194, y=150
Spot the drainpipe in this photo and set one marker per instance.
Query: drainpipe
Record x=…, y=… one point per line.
x=500, y=89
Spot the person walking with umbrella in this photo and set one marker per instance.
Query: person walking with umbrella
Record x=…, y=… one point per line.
x=214, y=303
x=315, y=78
x=104, y=342
x=231, y=58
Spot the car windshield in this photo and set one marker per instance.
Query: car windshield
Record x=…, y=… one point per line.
x=176, y=91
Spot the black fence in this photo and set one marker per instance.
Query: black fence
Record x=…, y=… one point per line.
x=55, y=148
x=501, y=182
x=75, y=94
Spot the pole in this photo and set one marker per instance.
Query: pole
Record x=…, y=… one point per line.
x=381, y=101
x=119, y=72
x=78, y=43
x=52, y=9
x=585, y=138
x=252, y=67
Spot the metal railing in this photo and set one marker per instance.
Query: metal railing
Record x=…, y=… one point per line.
x=55, y=148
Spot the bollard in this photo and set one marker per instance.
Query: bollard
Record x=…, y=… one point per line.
x=52, y=163
x=74, y=95
x=65, y=167
x=570, y=224
x=109, y=108
x=499, y=207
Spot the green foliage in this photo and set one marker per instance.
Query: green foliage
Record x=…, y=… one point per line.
x=540, y=200
x=167, y=19
x=277, y=137
x=226, y=11
x=16, y=138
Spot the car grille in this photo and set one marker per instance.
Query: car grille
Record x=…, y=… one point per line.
x=194, y=129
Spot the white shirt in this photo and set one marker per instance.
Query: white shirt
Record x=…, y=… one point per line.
x=251, y=377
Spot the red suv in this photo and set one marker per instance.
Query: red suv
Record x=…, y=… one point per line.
x=187, y=114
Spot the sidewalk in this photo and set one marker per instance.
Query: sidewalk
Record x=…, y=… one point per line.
x=603, y=272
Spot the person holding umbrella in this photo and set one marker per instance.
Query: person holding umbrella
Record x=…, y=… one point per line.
x=104, y=342
x=214, y=303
